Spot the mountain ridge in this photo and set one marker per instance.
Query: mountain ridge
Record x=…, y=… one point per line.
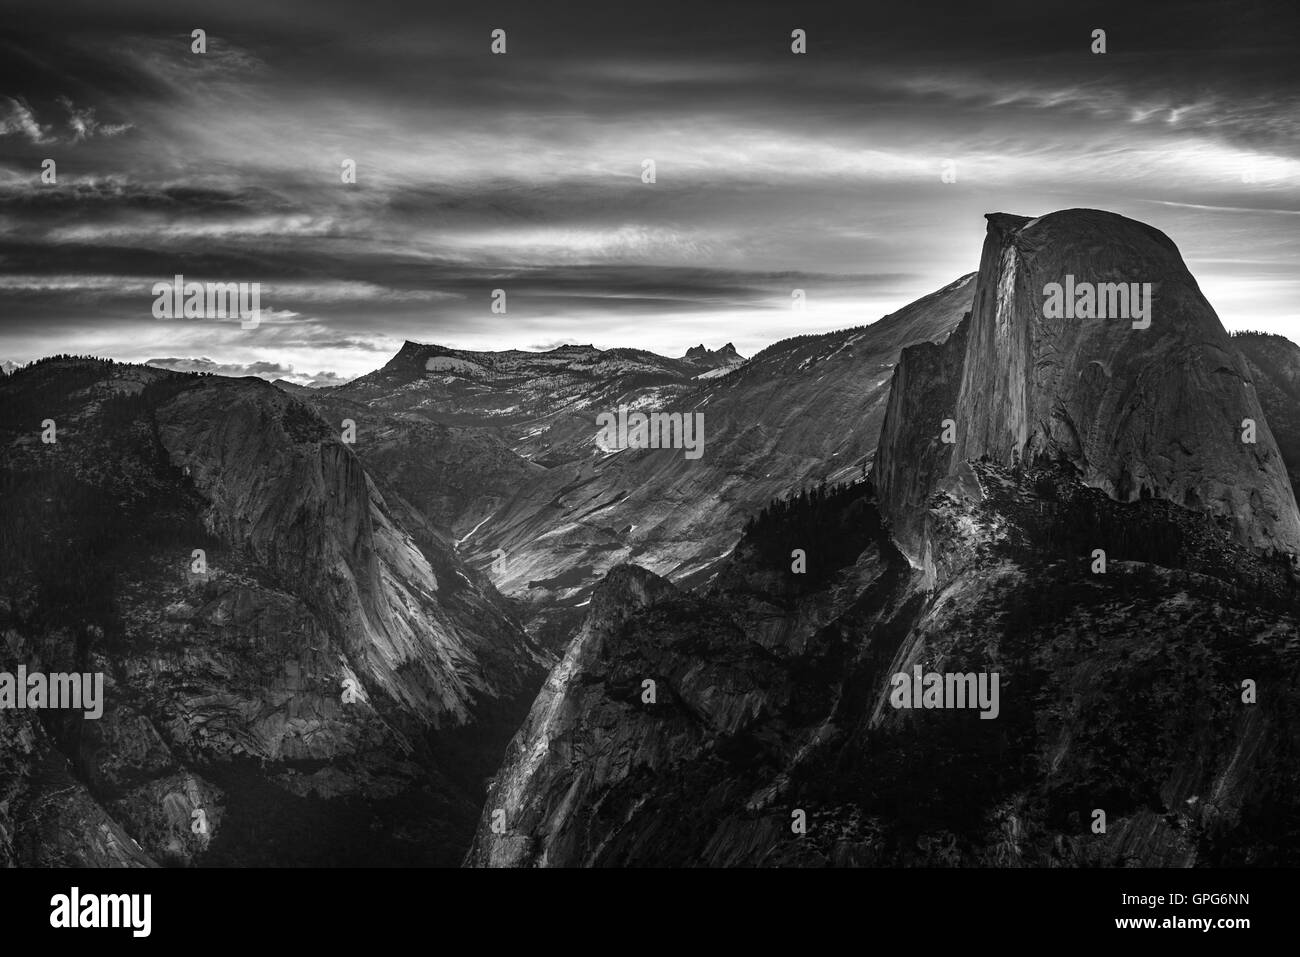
x=769, y=693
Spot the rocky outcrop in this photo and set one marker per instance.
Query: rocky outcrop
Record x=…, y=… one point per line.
x=528, y=818
x=1011, y=446
x=1274, y=364
x=48, y=818
x=713, y=358
x=330, y=685
x=1140, y=409
x=913, y=451
x=284, y=486
x=772, y=738
x=657, y=741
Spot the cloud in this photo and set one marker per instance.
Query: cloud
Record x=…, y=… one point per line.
x=71, y=283
x=263, y=369
x=84, y=125
x=550, y=344
x=1253, y=210
x=323, y=378
x=195, y=194
x=17, y=119
x=523, y=172
x=269, y=371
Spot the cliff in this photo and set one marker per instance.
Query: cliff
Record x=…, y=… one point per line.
x=1141, y=407
x=331, y=688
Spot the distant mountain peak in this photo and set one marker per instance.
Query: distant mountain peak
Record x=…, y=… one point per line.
x=713, y=358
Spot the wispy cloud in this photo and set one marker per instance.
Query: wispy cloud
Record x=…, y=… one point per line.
x=17, y=119
x=270, y=371
x=524, y=172
x=83, y=124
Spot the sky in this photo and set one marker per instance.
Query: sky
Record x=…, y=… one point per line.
x=523, y=171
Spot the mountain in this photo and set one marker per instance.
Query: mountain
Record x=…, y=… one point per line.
x=1157, y=411
x=715, y=362
x=1274, y=364
x=8, y=368
x=325, y=680
x=535, y=400
x=327, y=381
x=504, y=447
x=1119, y=692
x=388, y=566
x=800, y=412
x=1144, y=644
x=499, y=450
x=346, y=549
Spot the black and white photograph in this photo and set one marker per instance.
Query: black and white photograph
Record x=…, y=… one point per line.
x=704, y=436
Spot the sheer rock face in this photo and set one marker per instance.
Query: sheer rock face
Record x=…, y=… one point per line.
x=912, y=451
x=226, y=687
x=774, y=701
x=1156, y=410
x=541, y=789
x=282, y=484
x=1274, y=364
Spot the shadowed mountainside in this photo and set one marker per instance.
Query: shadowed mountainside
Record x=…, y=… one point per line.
x=226, y=672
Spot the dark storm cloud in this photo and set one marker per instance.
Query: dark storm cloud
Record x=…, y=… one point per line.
x=476, y=171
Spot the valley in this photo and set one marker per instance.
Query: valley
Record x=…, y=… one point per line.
x=424, y=638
